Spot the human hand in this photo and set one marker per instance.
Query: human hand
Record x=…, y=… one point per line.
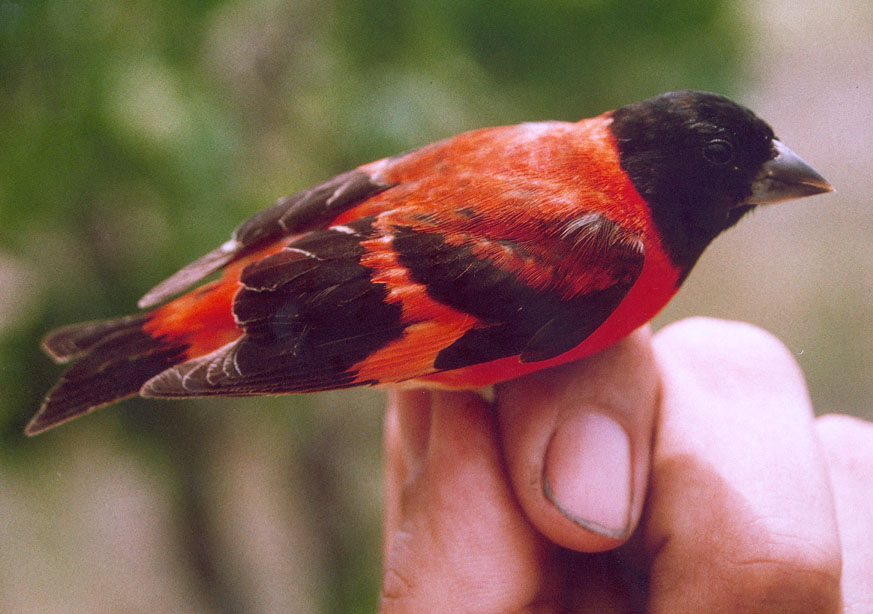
x=536, y=503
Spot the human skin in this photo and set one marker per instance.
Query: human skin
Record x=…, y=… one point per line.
x=684, y=472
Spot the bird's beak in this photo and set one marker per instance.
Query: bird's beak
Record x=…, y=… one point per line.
x=786, y=177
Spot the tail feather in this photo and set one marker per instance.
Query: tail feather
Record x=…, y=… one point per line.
x=68, y=342
x=115, y=358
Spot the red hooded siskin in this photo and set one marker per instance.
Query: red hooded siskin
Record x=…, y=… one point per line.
x=466, y=262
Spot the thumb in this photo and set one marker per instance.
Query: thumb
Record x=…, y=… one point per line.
x=577, y=440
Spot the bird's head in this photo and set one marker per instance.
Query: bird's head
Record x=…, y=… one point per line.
x=703, y=161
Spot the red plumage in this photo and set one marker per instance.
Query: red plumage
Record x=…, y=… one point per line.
x=466, y=262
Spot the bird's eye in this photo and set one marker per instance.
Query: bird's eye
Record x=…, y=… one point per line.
x=718, y=151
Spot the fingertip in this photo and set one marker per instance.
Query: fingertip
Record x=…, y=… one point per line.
x=845, y=434
x=701, y=330
x=737, y=347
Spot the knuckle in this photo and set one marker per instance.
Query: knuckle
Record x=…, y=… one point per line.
x=789, y=576
x=397, y=593
x=847, y=439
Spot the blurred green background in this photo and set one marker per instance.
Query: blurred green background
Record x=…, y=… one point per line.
x=135, y=135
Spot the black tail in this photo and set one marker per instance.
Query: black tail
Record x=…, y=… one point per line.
x=114, y=359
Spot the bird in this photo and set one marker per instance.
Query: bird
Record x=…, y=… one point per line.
x=463, y=263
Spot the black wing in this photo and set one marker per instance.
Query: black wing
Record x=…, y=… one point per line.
x=312, y=311
x=309, y=210
x=517, y=319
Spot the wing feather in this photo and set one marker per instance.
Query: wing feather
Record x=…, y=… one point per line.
x=302, y=212
x=323, y=313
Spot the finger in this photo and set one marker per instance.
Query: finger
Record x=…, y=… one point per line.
x=740, y=517
x=576, y=440
x=848, y=446
x=456, y=540
x=405, y=441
